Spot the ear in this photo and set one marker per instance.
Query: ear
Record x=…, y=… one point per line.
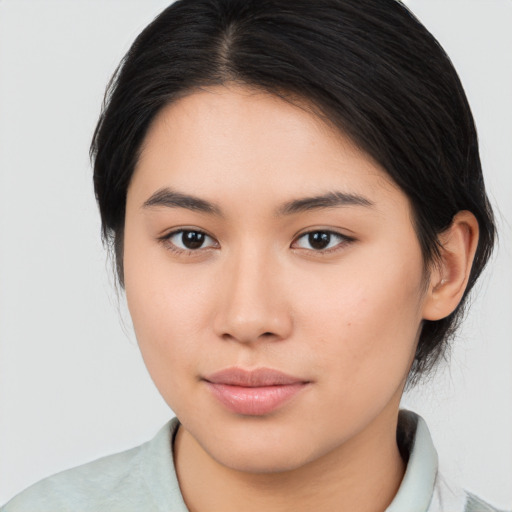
x=449, y=276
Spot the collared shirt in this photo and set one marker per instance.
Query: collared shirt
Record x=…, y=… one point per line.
x=144, y=479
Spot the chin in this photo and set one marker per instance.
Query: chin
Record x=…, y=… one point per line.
x=260, y=449
x=262, y=461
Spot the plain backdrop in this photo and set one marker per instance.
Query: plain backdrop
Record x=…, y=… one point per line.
x=72, y=384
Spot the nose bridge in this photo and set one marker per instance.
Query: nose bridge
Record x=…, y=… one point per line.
x=254, y=303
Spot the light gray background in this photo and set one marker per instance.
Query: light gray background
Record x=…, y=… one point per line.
x=72, y=384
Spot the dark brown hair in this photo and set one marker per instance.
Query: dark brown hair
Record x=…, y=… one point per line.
x=368, y=66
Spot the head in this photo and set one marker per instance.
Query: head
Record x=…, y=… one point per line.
x=363, y=76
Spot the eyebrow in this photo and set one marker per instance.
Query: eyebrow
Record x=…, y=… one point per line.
x=169, y=198
x=172, y=199
x=328, y=200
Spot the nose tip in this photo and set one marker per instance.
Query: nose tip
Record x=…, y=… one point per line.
x=249, y=329
x=253, y=305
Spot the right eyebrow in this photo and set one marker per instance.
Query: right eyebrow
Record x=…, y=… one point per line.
x=171, y=199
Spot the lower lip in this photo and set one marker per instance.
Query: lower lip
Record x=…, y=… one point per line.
x=255, y=401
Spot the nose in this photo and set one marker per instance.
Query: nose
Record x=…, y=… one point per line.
x=252, y=303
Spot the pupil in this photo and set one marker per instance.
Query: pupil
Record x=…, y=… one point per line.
x=319, y=239
x=192, y=239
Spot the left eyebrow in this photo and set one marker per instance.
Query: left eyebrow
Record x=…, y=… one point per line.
x=328, y=200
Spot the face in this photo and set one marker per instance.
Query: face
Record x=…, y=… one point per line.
x=274, y=279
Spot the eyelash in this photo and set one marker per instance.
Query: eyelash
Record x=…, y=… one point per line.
x=343, y=240
x=166, y=241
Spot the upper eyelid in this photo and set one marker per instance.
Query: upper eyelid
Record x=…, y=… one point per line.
x=324, y=230
x=320, y=230
x=174, y=231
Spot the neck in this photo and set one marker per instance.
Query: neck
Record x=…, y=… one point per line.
x=363, y=474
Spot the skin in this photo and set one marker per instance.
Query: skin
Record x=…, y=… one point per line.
x=258, y=294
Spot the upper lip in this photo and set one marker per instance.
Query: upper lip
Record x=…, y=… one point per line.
x=259, y=377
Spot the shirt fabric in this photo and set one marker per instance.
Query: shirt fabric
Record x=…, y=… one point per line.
x=144, y=479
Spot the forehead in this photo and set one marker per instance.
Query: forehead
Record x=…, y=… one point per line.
x=228, y=139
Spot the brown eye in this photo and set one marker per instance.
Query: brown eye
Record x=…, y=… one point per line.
x=190, y=240
x=321, y=240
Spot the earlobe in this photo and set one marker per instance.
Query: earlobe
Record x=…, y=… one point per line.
x=449, y=277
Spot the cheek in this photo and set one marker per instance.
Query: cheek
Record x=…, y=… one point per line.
x=165, y=326
x=167, y=311
x=355, y=323
x=365, y=319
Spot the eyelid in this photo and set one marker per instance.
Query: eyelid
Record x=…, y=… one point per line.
x=165, y=240
x=344, y=240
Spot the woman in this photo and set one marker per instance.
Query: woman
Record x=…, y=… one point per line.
x=294, y=197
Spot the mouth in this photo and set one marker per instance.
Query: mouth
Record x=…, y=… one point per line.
x=254, y=393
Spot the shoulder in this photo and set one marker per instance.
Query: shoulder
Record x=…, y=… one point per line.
x=475, y=504
x=77, y=488
x=423, y=487
x=135, y=479
x=449, y=497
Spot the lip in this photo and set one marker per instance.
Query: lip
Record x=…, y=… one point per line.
x=254, y=392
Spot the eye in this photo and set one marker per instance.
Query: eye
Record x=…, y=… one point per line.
x=189, y=240
x=321, y=240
